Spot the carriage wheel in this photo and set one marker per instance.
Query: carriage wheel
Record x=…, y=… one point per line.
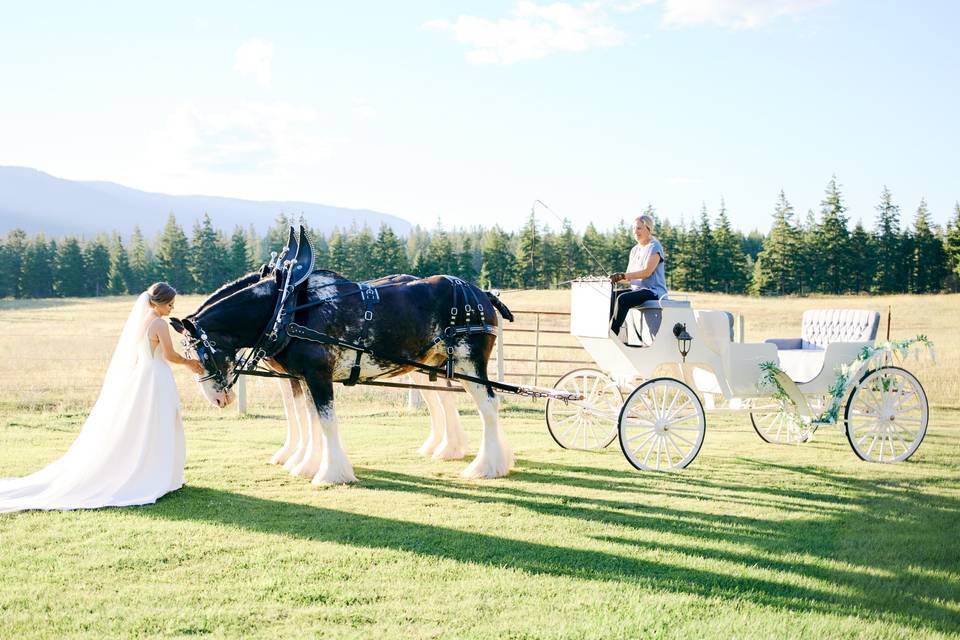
x=886, y=415
x=662, y=425
x=590, y=423
x=774, y=425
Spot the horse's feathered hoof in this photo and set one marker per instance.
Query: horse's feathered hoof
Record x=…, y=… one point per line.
x=282, y=455
x=449, y=451
x=486, y=466
x=428, y=447
x=334, y=474
x=306, y=469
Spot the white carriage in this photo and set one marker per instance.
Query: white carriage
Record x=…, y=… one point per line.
x=671, y=361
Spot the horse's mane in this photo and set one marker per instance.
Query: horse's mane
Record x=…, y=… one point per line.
x=229, y=288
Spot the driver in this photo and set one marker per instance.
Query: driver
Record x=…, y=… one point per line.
x=644, y=271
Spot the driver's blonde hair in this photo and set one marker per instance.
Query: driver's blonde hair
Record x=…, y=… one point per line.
x=648, y=222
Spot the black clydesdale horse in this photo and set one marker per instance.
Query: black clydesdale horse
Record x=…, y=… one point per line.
x=411, y=313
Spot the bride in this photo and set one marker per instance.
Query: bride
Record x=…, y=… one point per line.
x=131, y=448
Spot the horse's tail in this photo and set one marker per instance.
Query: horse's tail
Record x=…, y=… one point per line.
x=502, y=308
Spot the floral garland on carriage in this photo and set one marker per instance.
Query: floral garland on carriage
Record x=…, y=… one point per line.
x=871, y=357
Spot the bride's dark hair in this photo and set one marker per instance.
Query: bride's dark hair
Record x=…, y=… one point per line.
x=161, y=293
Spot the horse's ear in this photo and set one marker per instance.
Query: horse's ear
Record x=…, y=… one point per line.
x=264, y=269
x=190, y=327
x=176, y=324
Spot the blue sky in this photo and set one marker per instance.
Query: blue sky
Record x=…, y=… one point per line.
x=469, y=111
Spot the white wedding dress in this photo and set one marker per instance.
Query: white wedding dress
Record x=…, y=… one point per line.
x=131, y=449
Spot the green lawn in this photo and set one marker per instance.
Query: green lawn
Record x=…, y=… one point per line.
x=753, y=540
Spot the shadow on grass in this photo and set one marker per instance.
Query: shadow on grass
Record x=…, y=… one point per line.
x=883, y=550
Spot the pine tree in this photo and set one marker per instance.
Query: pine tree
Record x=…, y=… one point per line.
x=810, y=276
x=705, y=249
x=37, y=279
x=5, y=288
x=96, y=267
x=530, y=255
x=340, y=254
x=778, y=263
x=69, y=270
x=862, y=259
x=929, y=258
x=951, y=244
x=594, y=251
x=439, y=257
x=833, y=238
x=619, y=245
x=389, y=254
x=255, y=250
x=206, y=256
x=321, y=250
x=686, y=269
x=173, y=257
x=498, y=266
x=551, y=258
x=120, y=280
x=277, y=234
x=142, y=265
x=888, y=245
x=566, y=253
x=466, y=265
x=238, y=260
x=730, y=268
x=15, y=247
x=361, y=255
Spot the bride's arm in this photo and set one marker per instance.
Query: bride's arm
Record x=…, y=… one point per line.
x=159, y=328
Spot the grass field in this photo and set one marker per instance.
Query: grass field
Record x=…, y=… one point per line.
x=752, y=540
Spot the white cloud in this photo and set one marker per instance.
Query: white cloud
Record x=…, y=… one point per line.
x=255, y=139
x=255, y=57
x=732, y=14
x=363, y=110
x=532, y=32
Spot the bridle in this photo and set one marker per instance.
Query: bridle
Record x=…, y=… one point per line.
x=205, y=349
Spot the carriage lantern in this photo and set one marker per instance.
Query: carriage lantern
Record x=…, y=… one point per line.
x=683, y=339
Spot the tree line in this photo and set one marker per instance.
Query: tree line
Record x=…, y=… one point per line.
x=819, y=254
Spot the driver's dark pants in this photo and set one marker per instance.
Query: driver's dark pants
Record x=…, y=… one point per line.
x=622, y=301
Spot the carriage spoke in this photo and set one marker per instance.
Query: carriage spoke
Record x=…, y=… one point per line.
x=670, y=442
x=680, y=437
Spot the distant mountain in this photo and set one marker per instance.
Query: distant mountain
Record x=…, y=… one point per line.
x=35, y=201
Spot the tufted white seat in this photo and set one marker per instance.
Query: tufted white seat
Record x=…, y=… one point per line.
x=802, y=358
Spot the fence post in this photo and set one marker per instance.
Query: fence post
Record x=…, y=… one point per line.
x=242, y=396
x=500, y=351
x=740, y=320
x=536, y=354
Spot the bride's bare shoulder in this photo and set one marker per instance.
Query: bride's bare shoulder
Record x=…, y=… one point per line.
x=156, y=325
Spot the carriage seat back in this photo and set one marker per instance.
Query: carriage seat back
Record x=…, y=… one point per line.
x=715, y=329
x=803, y=358
x=820, y=327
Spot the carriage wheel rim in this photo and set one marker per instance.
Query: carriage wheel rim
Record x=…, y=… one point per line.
x=662, y=425
x=886, y=415
x=588, y=424
x=775, y=427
